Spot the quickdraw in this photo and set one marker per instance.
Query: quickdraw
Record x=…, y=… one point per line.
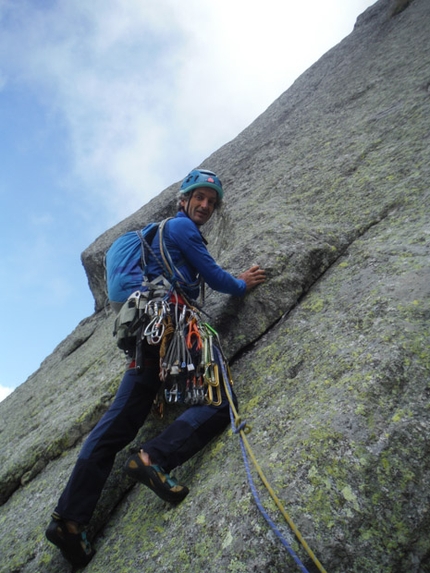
x=188, y=366
x=210, y=366
x=156, y=312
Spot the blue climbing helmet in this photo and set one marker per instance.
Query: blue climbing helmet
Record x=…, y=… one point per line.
x=202, y=178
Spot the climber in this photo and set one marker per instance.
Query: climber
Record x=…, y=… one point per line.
x=200, y=194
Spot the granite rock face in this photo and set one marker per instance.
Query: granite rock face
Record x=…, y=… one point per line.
x=329, y=191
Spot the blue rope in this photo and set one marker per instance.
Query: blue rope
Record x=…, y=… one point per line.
x=266, y=515
x=237, y=430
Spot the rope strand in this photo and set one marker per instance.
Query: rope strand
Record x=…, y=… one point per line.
x=241, y=428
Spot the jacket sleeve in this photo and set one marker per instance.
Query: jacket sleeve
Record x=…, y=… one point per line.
x=190, y=241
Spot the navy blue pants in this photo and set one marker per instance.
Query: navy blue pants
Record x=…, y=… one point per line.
x=188, y=434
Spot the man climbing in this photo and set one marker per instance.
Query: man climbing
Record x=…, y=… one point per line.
x=200, y=194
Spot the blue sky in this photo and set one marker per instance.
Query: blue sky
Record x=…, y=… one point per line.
x=102, y=106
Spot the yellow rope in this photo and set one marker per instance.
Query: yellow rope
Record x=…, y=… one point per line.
x=243, y=432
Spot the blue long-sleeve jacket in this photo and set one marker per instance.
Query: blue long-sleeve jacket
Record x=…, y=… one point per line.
x=187, y=249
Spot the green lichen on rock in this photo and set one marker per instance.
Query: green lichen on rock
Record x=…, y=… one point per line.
x=330, y=357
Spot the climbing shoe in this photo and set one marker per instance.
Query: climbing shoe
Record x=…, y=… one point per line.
x=154, y=477
x=74, y=547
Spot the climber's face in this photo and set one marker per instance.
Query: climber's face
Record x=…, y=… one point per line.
x=200, y=206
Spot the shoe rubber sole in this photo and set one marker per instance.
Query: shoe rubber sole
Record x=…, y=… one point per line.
x=73, y=546
x=156, y=479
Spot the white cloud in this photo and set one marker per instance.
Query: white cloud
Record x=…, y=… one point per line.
x=144, y=88
x=4, y=392
x=111, y=102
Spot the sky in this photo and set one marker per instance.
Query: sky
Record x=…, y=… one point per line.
x=105, y=104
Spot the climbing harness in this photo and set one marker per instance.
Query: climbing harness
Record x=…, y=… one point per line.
x=242, y=428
